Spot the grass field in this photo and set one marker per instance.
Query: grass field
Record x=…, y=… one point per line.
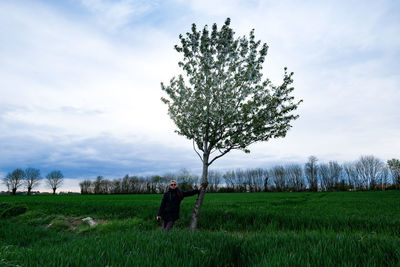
x=257, y=229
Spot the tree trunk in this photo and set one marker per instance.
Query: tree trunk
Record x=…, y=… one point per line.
x=14, y=191
x=200, y=198
x=54, y=191
x=29, y=191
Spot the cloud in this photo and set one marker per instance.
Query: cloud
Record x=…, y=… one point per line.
x=114, y=14
x=80, y=85
x=70, y=65
x=88, y=157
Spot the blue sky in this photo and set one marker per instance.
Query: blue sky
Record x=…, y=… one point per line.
x=80, y=82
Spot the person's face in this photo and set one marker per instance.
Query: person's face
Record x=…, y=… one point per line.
x=173, y=184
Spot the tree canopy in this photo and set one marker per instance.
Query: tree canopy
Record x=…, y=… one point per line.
x=223, y=103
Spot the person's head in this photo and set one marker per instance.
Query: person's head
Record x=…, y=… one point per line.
x=173, y=184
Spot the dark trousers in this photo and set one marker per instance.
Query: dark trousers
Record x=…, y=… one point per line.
x=167, y=225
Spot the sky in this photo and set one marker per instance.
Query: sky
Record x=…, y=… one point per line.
x=80, y=82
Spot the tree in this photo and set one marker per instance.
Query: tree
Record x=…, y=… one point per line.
x=335, y=171
x=278, y=174
x=54, y=180
x=240, y=180
x=394, y=167
x=156, y=181
x=294, y=173
x=214, y=178
x=223, y=103
x=311, y=173
x=85, y=186
x=383, y=178
x=185, y=179
x=116, y=186
x=7, y=183
x=229, y=178
x=266, y=180
x=14, y=180
x=368, y=168
x=32, y=178
x=352, y=175
x=323, y=173
x=256, y=179
x=329, y=175
x=125, y=184
x=100, y=185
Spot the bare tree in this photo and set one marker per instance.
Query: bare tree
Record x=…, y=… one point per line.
x=249, y=180
x=99, y=185
x=240, y=180
x=329, y=175
x=54, y=180
x=368, y=168
x=279, y=177
x=163, y=184
x=266, y=180
x=107, y=186
x=383, y=178
x=352, y=175
x=7, y=183
x=311, y=173
x=214, y=180
x=125, y=184
x=32, y=178
x=156, y=181
x=258, y=176
x=295, y=178
x=116, y=186
x=323, y=174
x=335, y=171
x=229, y=178
x=14, y=180
x=185, y=180
x=135, y=185
x=394, y=167
x=85, y=186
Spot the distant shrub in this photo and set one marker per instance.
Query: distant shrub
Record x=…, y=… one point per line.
x=226, y=190
x=13, y=210
x=391, y=187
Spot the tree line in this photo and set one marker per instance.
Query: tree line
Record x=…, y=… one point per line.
x=30, y=178
x=366, y=173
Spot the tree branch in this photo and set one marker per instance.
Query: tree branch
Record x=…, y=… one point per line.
x=226, y=151
x=197, y=152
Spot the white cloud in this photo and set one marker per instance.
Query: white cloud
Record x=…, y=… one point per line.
x=75, y=66
x=114, y=14
x=67, y=79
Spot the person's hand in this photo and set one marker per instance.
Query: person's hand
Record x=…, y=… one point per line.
x=158, y=218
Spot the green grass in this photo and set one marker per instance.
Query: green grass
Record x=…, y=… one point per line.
x=257, y=229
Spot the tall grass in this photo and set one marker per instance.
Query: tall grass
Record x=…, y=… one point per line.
x=203, y=248
x=338, y=211
x=258, y=229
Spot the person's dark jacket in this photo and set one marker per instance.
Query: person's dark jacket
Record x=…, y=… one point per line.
x=170, y=204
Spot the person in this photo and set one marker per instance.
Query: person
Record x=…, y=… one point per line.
x=169, y=208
